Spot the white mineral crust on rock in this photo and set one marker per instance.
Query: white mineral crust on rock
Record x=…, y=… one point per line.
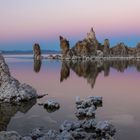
x=11, y=90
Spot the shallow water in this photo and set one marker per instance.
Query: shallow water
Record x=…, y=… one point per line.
x=117, y=82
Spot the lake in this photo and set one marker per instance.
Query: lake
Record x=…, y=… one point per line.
x=118, y=82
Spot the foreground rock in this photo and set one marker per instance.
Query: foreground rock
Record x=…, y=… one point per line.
x=51, y=105
x=87, y=129
x=69, y=130
x=11, y=135
x=11, y=90
x=87, y=107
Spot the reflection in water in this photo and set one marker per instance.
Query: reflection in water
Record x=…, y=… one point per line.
x=65, y=71
x=7, y=111
x=37, y=65
x=90, y=69
x=50, y=110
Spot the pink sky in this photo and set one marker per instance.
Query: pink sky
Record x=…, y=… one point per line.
x=34, y=19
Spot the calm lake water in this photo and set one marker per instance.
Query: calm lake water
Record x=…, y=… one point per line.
x=118, y=82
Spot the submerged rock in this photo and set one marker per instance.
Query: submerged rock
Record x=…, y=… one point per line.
x=11, y=90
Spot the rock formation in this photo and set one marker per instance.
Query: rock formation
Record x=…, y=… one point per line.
x=51, y=105
x=86, y=129
x=37, y=51
x=90, y=48
x=119, y=50
x=11, y=90
x=106, y=46
x=91, y=39
x=64, y=44
x=138, y=49
x=87, y=46
x=86, y=107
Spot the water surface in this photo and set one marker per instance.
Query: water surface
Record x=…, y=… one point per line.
x=117, y=82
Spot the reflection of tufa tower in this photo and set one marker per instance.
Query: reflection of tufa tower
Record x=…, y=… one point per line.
x=37, y=65
x=65, y=71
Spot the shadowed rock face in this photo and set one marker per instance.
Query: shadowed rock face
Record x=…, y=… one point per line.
x=7, y=111
x=64, y=44
x=37, y=52
x=91, y=69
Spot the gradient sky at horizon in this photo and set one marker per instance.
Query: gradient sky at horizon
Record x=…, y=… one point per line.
x=23, y=23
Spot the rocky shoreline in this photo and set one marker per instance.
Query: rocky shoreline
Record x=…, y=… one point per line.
x=89, y=58
x=81, y=129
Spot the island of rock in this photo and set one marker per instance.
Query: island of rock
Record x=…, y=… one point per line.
x=90, y=48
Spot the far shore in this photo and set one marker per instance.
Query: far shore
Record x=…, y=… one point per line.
x=85, y=58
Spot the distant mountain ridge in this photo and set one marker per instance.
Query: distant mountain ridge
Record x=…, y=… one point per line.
x=28, y=52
